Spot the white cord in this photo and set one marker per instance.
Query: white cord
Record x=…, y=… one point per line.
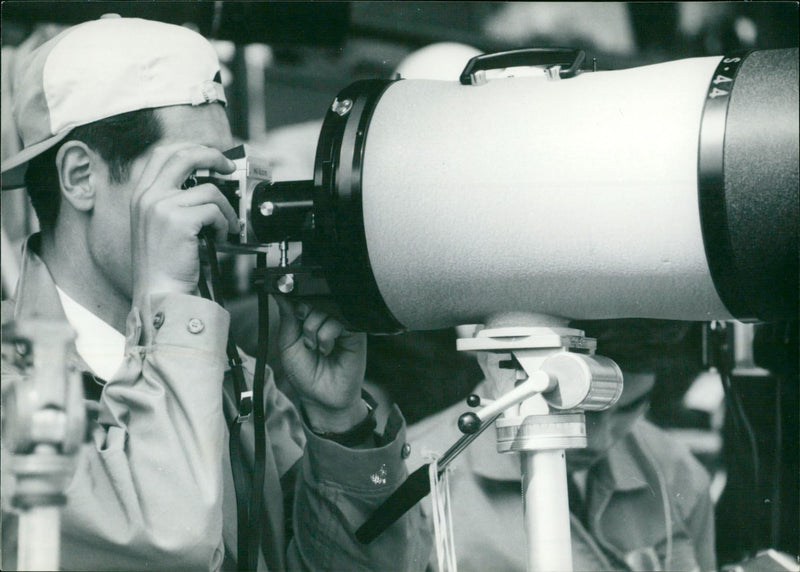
x=442, y=518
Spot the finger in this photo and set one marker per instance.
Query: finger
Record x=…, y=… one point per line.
x=190, y=221
x=158, y=156
x=208, y=193
x=328, y=335
x=209, y=216
x=289, y=331
x=172, y=164
x=311, y=325
x=172, y=206
x=352, y=341
x=187, y=160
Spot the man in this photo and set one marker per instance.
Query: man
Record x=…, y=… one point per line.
x=638, y=499
x=114, y=115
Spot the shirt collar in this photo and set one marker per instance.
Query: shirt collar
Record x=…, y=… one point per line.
x=100, y=345
x=36, y=295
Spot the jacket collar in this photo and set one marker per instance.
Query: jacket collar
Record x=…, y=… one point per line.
x=625, y=464
x=36, y=295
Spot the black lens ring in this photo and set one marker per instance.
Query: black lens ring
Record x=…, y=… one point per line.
x=711, y=188
x=339, y=234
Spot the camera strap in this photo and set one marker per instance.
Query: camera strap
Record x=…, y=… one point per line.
x=257, y=497
x=249, y=404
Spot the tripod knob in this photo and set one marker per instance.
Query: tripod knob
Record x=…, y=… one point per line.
x=469, y=423
x=588, y=382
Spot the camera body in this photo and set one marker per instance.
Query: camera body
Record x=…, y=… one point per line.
x=240, y=188
x=270, y=213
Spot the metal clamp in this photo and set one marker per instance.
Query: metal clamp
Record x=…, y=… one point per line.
x=245, y=406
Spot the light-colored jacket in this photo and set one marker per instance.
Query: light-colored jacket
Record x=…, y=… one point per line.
x=626, y=526
x=154, y=489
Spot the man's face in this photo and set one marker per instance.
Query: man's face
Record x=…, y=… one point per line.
x=605, y=428
x=110, y=231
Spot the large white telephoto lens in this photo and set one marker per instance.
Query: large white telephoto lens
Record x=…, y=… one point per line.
x=667, y=191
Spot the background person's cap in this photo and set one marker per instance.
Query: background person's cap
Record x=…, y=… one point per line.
x=103, y=68
x=442, y=61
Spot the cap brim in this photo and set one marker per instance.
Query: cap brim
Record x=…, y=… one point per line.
x=14, y=168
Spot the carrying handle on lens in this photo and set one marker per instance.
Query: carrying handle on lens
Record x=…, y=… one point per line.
x=571, y=58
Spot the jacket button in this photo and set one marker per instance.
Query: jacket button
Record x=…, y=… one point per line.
x=195, y=325
x=405, y=451
x=158, y=320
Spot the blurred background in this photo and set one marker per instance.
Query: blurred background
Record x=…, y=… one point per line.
x=730, y=392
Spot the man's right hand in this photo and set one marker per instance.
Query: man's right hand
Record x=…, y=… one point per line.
x=166, y=220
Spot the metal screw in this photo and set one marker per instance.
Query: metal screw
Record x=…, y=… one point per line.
x=266, y=208
x=342, y=107
x=286, y=283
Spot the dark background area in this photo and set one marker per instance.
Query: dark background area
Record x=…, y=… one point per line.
x=320, y=47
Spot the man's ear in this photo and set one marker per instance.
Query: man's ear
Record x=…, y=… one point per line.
x=77, y=168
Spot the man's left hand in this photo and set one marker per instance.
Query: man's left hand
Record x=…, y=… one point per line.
x=325, y=363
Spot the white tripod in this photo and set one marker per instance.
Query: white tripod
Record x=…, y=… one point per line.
x=43, y=428
x=558, y=377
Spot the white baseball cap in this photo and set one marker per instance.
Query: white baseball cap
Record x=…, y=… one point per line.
x=103, y=68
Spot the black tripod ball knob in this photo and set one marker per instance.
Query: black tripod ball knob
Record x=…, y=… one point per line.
x=469, y=423
x=473, y=400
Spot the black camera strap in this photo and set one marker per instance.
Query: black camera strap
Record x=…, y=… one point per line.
x=249, y=404
x=257, y=498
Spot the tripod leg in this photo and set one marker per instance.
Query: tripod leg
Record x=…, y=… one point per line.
x=546, y=504
x=39, y=541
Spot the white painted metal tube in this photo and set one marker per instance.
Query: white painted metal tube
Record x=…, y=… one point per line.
x=575, y=198
x=39, y=538
x=546, y=506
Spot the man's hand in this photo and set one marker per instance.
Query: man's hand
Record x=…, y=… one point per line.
x=165, y=220
x=325, y=363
